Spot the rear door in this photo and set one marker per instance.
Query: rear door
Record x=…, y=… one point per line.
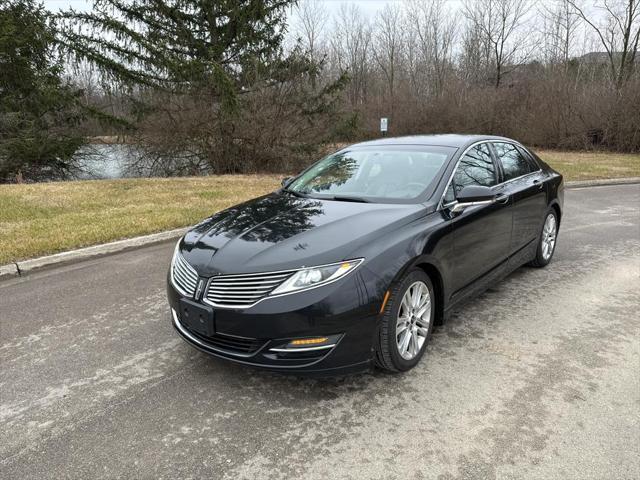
x=523, y=181
x=481, y=234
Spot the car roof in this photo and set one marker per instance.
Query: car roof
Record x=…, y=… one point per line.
x=444, y=140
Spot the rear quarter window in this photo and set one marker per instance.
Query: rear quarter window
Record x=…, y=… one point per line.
x=515, y=163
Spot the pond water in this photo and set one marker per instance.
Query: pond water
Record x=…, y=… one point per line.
x=104, y=161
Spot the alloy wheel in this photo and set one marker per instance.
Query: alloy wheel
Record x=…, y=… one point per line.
x=414, y=316
x=549, y=232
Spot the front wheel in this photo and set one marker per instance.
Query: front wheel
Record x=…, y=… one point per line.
x=406, y=324
x=547, y=242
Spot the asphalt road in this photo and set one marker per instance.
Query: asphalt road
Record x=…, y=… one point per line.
x=537, y=378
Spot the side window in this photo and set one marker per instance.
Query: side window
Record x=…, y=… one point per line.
x=514, y=162
x=475, y=168
x=530, y=157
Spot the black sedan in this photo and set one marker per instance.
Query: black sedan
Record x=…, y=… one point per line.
x=351, y=263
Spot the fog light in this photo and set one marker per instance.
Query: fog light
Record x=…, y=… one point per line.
x=308, y=341
x=306, y=344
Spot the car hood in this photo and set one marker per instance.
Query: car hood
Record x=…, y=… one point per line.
x=280, y=231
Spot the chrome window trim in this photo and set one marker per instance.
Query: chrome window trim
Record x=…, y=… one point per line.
x=532, y=157
x=531, y=160
x=442, y=205
x=517, y=178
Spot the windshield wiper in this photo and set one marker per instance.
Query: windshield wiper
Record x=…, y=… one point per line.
x=344, y=198
x=294, y=193
x=339, y=198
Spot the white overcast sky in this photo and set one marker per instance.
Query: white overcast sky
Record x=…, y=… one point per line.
x=369, y=7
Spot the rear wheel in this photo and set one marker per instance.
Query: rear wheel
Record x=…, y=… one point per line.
x=406, y=323
x=547, y=242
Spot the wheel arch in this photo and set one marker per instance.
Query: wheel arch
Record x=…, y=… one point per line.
x=438, y=288
x=430, y=267
x=556, y=208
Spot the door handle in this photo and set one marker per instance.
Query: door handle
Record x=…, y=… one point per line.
x=502, y=198
x=539, y=183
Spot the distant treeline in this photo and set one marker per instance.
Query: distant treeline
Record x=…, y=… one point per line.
x=517, y=68
x=210, y=86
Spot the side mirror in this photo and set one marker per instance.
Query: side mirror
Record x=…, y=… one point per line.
x=285, y=181
x=473, y=195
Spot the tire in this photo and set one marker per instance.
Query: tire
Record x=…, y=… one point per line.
x=543, y=255
x=388, y=354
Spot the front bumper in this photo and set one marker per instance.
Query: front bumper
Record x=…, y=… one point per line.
x=255, y=336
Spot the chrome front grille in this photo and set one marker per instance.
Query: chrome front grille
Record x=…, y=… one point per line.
x=242, y=291
x=185, y=278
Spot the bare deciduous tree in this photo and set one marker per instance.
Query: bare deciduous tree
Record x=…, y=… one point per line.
x=499, y=22
x=311, y=21
x=388, y=46
x=560, y=23
x=619, y=34
x=350, y=47
x=475, y=55
x=435, y=32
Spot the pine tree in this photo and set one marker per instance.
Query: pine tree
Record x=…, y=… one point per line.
x=210, y=85
x=179, y=46
x=39, y=111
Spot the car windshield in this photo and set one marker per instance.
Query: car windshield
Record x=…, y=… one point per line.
x=398, y=172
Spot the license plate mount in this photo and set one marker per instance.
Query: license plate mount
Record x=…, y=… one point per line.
x=197, y=317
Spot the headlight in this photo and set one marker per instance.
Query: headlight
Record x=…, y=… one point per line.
x=316, y=276
x=173, y=262
x=175, y=253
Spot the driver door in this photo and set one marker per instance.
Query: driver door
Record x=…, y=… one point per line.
x=481, y=234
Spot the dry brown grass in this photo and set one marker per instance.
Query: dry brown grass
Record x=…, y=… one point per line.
x=592, y=165
x=44, y=218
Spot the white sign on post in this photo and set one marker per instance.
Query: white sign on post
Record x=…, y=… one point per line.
x=383, y=124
